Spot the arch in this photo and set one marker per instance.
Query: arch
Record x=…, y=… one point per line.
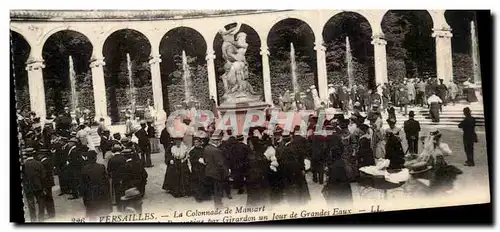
x=22, y=33
x=19, y=54
x=172, y=30
x=367, y=17
x=58, y=78
x=47, y=35
x=411, y=49
x=302, y=36
x=119, y=92
x=171, y=46
x=252, y=56
x=431, y=14
x=357, y=27
x=118, y=28
x=224, y=22
x=293, y=16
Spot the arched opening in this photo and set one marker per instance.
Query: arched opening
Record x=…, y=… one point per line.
x=361, y=64
x=279, y=41
x=67, y=76
x=172, y=70
x=252, y=57
x=411, y=50
x=461, y=43
x=19, y=54
x=127, y=77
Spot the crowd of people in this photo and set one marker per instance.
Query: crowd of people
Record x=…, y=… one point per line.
x=270, y=166
x=431, y=93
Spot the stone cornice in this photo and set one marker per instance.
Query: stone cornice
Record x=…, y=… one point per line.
x=113, y=15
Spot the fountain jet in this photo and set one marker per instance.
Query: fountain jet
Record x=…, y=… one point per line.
x=348, y=58
x=72, y=81
x=293, y=65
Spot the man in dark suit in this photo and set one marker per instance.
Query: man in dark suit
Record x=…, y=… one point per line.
x=319, y=152
x=94, y=187
x=216, y=169
x=44, y=157
x=412, y=128
x=238, y=160
x=33, y=177
x=114, y=164
x=144, y=145
x=468, y=125
x=131, y=174
x=74, y=165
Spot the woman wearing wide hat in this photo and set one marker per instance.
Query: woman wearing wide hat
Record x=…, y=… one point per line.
x=177, y=175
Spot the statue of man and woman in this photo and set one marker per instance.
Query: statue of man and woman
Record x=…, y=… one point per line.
x=235, y=77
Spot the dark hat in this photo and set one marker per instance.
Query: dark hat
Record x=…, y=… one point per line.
x=125, y=141
x=436, y=133
x=338, y=116
x=116, y=148
x=278, y=131
x=391, y=120
x=411, y=114
x=287, y=136
x=240, y=137
x=343, y=123
x=363, y=127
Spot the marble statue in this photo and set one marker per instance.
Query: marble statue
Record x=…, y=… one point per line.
x=237, y=89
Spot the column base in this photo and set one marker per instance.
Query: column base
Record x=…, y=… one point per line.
x=161, y=118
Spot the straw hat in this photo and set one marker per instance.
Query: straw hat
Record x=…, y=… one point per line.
x=131, y=193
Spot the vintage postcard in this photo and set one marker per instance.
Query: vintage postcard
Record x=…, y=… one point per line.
x=238, y=116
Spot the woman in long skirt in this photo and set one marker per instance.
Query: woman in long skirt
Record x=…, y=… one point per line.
x=294, y=180
x=199, y=187
x=258, y=188
x=177, y=174
x=348, y=151
x=365, y=151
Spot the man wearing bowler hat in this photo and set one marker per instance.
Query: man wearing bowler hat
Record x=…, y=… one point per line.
x=412, y=128
x=216, y=169
x=33, y=177
x=144, y=145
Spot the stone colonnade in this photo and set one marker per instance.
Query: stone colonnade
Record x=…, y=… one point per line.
x=37, y=32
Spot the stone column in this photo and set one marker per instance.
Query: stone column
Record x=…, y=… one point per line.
x=156, y=85
x=266, y=74
x=444, y=65
x=212, y=81
x=36, y=88
x=99, y=89
x=322, y=75
x=380, y=58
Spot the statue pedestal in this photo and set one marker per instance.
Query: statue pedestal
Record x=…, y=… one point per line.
x=240, y=111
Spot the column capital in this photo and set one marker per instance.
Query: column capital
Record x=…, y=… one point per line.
x=379, y=40
x=210, y=55
x=35, y=65
x=442, y=33
x=318, y=46
x=97, y=62
x=264, y=50
x=155, y=59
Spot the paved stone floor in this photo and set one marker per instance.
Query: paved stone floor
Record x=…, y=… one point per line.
x=158, y=202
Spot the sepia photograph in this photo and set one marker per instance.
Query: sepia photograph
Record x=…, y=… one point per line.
x=239, y=116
